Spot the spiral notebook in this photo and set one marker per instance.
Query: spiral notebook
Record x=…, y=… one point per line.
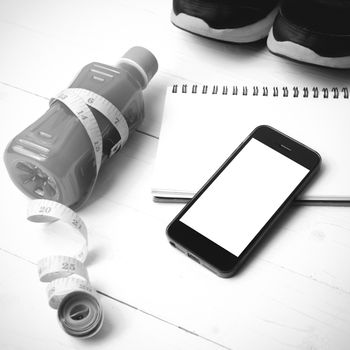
x=202, y=126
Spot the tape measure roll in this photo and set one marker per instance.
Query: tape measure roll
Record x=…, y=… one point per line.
x=69, y=290
x=80, y=315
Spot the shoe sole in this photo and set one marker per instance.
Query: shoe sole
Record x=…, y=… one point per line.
x=301, y=53
x=249, y=33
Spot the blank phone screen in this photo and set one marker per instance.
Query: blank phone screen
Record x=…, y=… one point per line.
x=242, y=199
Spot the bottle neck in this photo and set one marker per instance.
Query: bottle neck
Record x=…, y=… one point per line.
x=135, y=70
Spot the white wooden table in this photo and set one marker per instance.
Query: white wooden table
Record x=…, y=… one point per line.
x=295, y=293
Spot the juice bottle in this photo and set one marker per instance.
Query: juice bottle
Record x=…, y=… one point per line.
x=54, y=158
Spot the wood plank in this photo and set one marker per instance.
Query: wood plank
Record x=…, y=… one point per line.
x=27, y=321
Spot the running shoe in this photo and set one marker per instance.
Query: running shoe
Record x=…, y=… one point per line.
x=239, y=21
x=313, y=31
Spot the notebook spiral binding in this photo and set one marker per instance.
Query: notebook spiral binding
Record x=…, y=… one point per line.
x=275, y=91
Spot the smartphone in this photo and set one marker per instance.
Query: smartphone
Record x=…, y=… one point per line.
x=231, y=213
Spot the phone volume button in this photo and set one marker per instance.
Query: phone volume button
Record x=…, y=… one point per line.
x=193, y=258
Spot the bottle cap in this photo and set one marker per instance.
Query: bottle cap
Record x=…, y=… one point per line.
x=143, y=60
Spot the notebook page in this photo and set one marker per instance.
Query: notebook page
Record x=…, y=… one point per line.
x=199, y=131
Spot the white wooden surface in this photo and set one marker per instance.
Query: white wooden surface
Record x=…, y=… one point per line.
x=294, y=293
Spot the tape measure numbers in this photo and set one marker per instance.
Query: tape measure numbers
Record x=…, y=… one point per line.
x=78, y=101
x=106, y=108
x=81, y=110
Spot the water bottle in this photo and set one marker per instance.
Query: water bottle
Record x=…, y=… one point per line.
x=59, y=155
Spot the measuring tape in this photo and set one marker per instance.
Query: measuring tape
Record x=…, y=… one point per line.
x=78, y=101
x=69, y=290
